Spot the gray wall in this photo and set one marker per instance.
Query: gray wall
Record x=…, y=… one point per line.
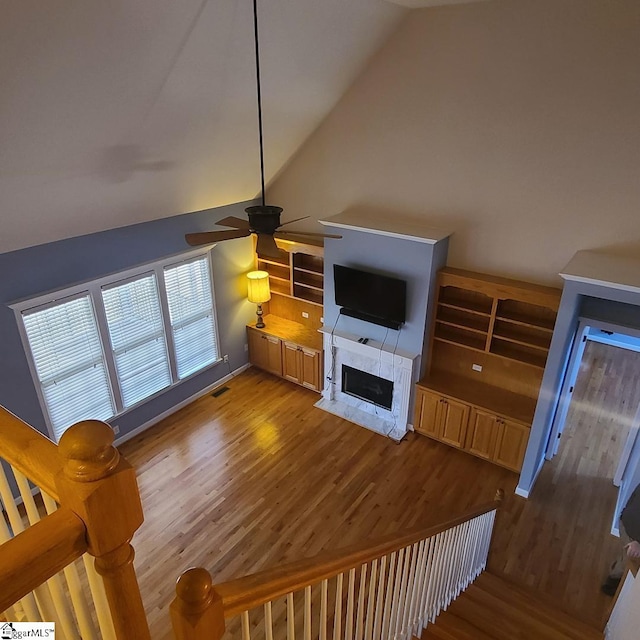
x=415, y=262
x=36, y=270
x=578, y=300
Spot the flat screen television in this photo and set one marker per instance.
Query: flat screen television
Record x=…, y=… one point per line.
x=370, y=297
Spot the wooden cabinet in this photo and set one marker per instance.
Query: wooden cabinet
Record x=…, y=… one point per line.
x=442, y=418
x=485, y=434
x=427, y=413
x=482, y=434
x=301, y=364
x=287, y=349
x=511, y=444
x=265, y=351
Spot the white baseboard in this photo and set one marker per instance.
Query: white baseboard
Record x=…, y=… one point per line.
x=524, y=493
x=143, y=427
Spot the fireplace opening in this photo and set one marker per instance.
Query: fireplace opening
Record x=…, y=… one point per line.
x=366, y=386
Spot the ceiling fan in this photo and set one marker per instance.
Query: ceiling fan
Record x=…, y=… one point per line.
x=263, y=219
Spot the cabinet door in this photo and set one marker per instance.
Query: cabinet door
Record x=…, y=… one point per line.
x=291, y=361
x=427, y=413
x=310, y=365
x=258, y=349
x=274, y=355
x=512, y=444
x=453, y=422
x=482, y=434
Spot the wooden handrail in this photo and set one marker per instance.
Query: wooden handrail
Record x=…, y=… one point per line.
x=253, y=590
x=30, y=452
x=49, y=545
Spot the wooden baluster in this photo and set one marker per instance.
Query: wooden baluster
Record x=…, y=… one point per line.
x=386, y=618
x=324, y=592
x=337, y=620
x=435, y=574
x=348, y=625
x=101, y=489
x=426, y=578
x=307, y=613
x=368, y=629
x=379, y=605
x=244, y=620
x=268, y=621
x=61, y=608
x=96, y=587
x=361, y=593
x=80, y=606
x=41, y=597
x=291, y=618
x=28, y=603
x=395, y=603
x=416, y=589
x=196, y=612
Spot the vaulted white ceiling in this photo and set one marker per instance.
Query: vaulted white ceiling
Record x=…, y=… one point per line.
x=118, y=112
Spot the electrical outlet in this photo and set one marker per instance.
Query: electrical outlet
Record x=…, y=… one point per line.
x=246, y=347
x=116, y=429
x=305, y=314
x=225, y=358
x=476, y=367
x=321, y=320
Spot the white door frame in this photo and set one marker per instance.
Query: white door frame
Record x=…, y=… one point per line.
x=564, y=399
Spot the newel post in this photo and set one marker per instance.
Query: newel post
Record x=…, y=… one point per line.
x=101, y=488
x=196, y=611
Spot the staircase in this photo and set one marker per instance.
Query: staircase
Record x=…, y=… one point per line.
x=494, y=609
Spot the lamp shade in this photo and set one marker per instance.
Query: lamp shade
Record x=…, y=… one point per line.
x=258, y=291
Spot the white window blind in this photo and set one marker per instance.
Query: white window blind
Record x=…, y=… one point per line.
x=190, y=301
x=137, y=338
x=69, y=362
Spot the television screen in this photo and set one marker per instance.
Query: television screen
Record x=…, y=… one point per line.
x=369, y=296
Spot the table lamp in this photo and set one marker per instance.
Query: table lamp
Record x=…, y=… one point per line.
x=258, y=292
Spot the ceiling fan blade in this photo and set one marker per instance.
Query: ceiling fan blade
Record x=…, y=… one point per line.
x=209, y=237
x=232, y=221
x=307, y=233
x=296, y=220
x=267, y=246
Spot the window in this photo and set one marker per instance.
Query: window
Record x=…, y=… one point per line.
x=98, y=349
x=191, y=313
x=70, y=366
x=137, y=338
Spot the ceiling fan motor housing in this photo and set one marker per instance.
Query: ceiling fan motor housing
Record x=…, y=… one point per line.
x=264, y=218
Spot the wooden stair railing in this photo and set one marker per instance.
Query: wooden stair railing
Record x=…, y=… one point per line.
x=387, y=589
x=89, y=503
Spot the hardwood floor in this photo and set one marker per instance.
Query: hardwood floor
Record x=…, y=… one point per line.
x=558, y=541
x=258, y=476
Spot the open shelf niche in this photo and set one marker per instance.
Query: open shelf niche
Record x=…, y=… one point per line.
x=297, y=272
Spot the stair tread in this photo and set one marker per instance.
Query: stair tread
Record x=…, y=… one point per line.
x=493, y=608
x=531, y=601
x=452, y=627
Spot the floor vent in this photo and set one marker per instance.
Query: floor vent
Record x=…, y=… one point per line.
x=219, y=391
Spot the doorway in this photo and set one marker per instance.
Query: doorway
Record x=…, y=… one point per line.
x=597, y=420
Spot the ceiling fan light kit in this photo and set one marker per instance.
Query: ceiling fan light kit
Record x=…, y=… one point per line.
x=263, y=219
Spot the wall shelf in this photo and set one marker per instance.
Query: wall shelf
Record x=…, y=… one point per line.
x=299, y=271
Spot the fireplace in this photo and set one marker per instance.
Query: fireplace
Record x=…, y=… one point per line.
x=367, y=386
x=368, y=383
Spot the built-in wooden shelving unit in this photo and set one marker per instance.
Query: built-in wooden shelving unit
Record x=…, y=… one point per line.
x=298, y=272
x=491, y=338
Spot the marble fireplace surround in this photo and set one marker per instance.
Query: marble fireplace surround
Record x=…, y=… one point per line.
x=374, y=358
